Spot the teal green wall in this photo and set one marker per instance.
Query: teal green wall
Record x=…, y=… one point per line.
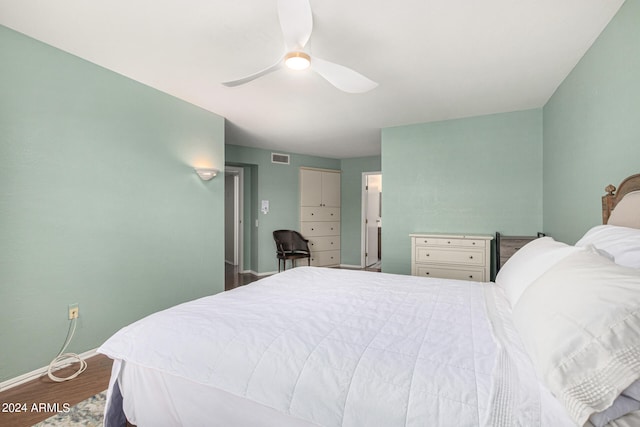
x=99, y=204
x=474, y=175
x=592, y=128
x=351, y=206
x=280, y=185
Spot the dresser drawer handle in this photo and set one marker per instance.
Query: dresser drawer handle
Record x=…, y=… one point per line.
x=473, y=243
x=448, y=243
x=471, y=276
x=426, y=273
x=471, y=257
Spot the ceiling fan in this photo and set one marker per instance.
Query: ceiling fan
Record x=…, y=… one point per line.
x=296, y=22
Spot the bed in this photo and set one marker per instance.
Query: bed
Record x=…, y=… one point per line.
x=328, y=347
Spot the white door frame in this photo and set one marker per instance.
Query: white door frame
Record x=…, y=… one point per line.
x=238, y=214
x=363, y=217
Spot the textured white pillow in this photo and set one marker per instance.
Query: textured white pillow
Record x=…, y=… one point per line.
x=529, y=263
x=622, y=243
x=627, y=211
x=580, y=323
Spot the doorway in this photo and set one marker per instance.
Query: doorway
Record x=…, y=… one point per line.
x=371, y=220
x=233, y=236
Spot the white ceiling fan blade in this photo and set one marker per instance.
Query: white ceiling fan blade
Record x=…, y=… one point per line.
x=254, y=76
x=296, y=22
x=342, y=77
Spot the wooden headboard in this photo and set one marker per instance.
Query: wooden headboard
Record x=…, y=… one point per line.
x=611, y=199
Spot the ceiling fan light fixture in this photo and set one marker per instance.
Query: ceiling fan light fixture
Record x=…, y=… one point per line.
x=297, y=61
x=296, y=23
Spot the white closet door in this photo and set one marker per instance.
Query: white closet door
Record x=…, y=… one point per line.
x=331, y=189
x=311, y=187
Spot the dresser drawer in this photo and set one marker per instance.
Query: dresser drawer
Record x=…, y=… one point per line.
x=473, y=274
x=434, y=254
x=318, y=213
x=311, y=229
x=451, y=256
x=324, y=243
x=443, y=241
x=325, y=258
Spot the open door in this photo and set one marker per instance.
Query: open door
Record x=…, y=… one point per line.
x=233, y=216
x=372, y=214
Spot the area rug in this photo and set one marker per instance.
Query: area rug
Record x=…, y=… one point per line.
x=88, y=413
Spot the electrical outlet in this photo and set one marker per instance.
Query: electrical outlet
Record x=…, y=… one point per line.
x=74, y=311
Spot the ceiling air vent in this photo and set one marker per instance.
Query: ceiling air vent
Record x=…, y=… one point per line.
x=282, y=159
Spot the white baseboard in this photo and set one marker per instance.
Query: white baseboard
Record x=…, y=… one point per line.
x=358, y=267
x=24, y=378
x=255, y=273
x=268, y=273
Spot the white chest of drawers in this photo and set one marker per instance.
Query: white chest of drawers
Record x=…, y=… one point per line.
x=451, y=256
x=320, y=214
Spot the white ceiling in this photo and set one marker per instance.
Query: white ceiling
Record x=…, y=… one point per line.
x=433, y=59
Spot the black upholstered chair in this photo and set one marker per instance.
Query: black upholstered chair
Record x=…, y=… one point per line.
x=291, y=245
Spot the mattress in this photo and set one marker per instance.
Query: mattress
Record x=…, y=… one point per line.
x=317, y=346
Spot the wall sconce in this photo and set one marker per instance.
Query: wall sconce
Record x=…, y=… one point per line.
x=206, y=174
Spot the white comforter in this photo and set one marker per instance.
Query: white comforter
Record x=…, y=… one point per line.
x=349, y=348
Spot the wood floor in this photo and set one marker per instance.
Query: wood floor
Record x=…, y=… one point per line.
x=233, y=278
x=94, y=380
x=44, y=391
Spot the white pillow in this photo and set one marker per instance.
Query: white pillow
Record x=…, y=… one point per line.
x=529, y=263
x=580, y=323
x=621, y=242
x=627, y=211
